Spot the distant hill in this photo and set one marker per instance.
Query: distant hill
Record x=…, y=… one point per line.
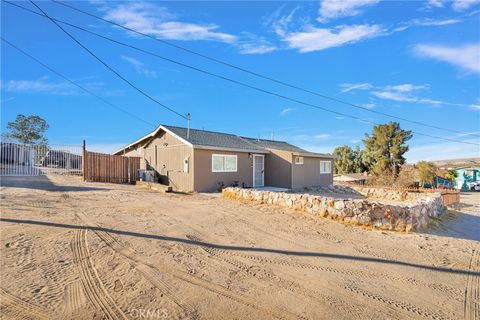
x=452, y=163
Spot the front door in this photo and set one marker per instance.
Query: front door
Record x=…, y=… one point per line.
x=258, y=170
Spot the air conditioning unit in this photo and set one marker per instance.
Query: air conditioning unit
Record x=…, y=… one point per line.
x=146, y=175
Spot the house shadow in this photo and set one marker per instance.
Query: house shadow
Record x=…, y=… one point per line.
x=456, y=223
x=276, y=251
x=42, y=182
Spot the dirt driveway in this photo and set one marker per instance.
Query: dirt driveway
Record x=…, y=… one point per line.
x=74, y=250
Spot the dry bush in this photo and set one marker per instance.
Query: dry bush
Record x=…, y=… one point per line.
x=406, y=177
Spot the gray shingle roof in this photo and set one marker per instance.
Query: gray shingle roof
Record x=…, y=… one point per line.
x=214, y=139
x=285, y=146
x=278, y=145
x=203, y=138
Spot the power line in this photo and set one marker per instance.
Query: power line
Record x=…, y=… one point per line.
x=74, y=83
x=108, y=67
x=256, y=74
x=238, y=82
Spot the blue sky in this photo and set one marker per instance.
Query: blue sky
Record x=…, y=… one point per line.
x=417, y=60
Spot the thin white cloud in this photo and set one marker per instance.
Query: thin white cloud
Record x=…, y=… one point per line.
x=286, y=111
x=369, y=105
x=475, y=107
x=249, y=43
x=433, y=22
x=407, y=87
x=435, y=3
x=309, y=138
x=158, y=21
x=40, y=86
x=301, y=34
x=426, y=22
x=45, y=86
x=332, y=9
x=404, y=93
x=140, y=67
x=462, y=5
x=443, y=150
x=347, y=87
x=467, y=56
x=7, y=99
x=250, y=48
x=280, y=23
x=401, y=97
x=322, y=136
x=315, y=39
x=457, y=5
x=154, y=20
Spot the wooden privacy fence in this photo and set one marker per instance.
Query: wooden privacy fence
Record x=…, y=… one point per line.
x=101, y=167
x=450, y=197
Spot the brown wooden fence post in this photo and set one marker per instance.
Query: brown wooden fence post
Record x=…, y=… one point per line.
x=84, y=161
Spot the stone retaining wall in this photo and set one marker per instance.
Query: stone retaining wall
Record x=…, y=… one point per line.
x=413, y=215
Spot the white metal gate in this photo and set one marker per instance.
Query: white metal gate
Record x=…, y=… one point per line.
x=33, y=160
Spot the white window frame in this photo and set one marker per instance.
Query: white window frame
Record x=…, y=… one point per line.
x=329, y=166
x=225, y=156
x=298, y=160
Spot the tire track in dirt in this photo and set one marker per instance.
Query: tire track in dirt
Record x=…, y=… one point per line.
x=282, y=283
x=17, y=308
x=129, y=253
x=151, y=274
x=398, y=305
x=471, y=304
x=93, y=286
x=74, y=298
x=373, y=276
x=451, y=292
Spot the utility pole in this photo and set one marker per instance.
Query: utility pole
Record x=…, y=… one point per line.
x=188, y=125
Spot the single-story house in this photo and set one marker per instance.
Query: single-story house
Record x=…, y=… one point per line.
x=357, y=178
x=465, y=176
x=203, y=161
x=441, y=182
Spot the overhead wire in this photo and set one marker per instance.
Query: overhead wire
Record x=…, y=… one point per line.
x=108, y=66
x=222, y=77
x=257, y=74
x=74, y=83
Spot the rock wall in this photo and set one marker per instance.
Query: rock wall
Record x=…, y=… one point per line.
x=413, y=215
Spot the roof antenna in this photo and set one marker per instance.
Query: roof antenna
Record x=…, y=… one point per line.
x=188, y=125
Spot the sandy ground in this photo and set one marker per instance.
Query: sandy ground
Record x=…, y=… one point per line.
x=74, y=250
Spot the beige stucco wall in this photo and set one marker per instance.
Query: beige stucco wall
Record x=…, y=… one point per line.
x=205, y=180
x=165, y=154
x=308, y=174
x=278, y=169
